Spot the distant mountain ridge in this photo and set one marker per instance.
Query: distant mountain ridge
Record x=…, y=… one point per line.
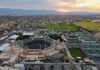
x=8, y=11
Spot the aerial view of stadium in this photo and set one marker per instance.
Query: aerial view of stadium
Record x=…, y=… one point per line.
x=49, y=34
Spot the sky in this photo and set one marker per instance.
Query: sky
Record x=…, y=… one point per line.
x=58, y=5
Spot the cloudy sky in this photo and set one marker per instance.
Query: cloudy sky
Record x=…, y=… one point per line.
x=58, y=5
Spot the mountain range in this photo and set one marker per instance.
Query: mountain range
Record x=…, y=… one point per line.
x=9, y=11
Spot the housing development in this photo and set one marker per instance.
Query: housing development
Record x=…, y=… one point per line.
x=50, y=42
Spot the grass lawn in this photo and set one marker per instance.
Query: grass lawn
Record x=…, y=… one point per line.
x=77, y=53
x=88, y=25
x=67, y=27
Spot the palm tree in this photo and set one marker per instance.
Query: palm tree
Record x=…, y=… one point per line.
x=51, y=67
x=65, y=58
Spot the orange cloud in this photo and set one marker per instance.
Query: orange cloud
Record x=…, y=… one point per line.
x=78, y=5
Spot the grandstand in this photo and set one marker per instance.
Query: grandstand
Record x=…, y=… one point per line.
x=37, y=43
x=92, y=50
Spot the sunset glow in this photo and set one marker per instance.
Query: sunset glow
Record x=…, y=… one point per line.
x=61, y=10
x=58, y=5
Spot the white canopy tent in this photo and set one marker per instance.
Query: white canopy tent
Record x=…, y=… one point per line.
x=4, y=46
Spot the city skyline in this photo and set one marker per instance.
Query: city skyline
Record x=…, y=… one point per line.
x=57, y=5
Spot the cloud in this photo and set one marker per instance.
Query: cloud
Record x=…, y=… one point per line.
x=79, y=5
x=67, y=5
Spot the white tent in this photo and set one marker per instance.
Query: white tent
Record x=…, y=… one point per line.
x=4, y=46
x=13, y=37
x=28, y=33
